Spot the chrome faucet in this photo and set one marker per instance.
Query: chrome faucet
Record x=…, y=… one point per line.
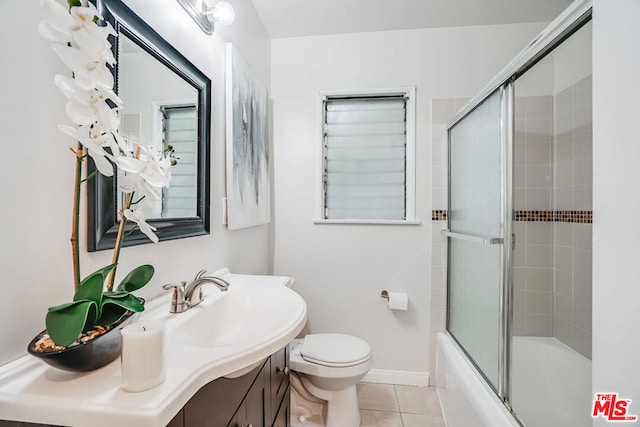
x=183, y=294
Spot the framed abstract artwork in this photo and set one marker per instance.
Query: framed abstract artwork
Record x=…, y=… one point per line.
x=247, y=134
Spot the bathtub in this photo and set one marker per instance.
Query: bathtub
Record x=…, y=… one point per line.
x=550, y=383
x=544, y=388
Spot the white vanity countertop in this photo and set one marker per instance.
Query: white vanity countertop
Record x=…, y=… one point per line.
x=31, y=391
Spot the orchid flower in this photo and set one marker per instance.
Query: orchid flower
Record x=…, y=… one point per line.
x=77, y=27
x=93, y=140
x=82, y=43
x=87, y=107
x=152, y=167
x=137, y=216
x=89, y=72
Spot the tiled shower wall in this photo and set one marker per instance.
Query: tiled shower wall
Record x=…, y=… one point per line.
x=573, y=192
x=553, y=204
x=532, y=257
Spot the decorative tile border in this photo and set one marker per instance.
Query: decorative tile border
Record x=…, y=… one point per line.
x=579, y=217
x=439, y=215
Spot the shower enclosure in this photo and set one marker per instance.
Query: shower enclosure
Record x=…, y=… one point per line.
x=519, y=228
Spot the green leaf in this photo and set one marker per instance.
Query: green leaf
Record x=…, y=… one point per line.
x=91, y=287
x=137, y=278
x=73, y=3
x=131, y=303
x=116, y=294
x=111, y=313
x=66, y=322
x=62, y=306
x=114, y=308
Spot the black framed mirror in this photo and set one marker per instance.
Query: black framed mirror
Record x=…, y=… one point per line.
x=165, y=91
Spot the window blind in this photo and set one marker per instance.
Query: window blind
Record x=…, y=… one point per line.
x=180, y=130
x=365, y=158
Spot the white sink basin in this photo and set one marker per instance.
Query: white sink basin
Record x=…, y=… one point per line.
x=226, y=335
x=241, y=315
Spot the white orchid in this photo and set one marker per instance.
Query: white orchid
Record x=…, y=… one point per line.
x=137, y=216
x=149, y=172
x=77, y=27
x=88, y=106
x=82, y=43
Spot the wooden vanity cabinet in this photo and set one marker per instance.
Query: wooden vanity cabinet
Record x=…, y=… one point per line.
x=257, y=399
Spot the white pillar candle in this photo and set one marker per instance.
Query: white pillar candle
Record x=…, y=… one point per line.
x=142, y=355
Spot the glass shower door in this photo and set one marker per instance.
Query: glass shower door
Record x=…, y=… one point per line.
x=475, y=235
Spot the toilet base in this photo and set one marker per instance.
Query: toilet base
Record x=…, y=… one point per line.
x=343, y=411
x=340, y=410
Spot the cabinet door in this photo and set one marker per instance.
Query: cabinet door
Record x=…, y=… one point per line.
x=283, y=416
x=251, y=412
x=217, y=402
x=279, y=380
x=178, y=420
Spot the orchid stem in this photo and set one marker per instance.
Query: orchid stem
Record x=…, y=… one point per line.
x=75, y=225
x=120, y=236
x=119, y=239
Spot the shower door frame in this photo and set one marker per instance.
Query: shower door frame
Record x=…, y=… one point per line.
x=566, y=24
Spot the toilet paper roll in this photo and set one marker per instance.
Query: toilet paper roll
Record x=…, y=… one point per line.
x=142, y=355
x=398, y=301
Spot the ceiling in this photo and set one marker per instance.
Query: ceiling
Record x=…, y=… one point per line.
x=299, y=18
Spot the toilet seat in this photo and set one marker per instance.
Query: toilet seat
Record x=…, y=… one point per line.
x=335, y=350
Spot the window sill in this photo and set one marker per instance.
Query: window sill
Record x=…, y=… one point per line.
x=368, y=222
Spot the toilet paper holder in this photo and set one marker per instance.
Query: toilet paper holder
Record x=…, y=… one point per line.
x=384, y=294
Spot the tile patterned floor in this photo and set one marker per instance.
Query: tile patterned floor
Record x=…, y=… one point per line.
x=386, y=405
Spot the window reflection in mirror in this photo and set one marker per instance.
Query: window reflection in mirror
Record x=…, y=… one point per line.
x=160, y=110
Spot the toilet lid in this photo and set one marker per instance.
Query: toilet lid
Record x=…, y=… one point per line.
x=334, y=349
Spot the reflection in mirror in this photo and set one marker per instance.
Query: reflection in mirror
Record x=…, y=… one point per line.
x=167, y=104
x=160, y=110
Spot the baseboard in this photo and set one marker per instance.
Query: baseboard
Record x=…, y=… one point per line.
x=384, y=376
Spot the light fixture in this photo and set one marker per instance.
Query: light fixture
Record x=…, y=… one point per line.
x=206, y=13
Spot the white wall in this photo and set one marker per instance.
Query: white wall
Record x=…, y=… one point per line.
x=616, y=200
x=37, y=171
x=341, y=269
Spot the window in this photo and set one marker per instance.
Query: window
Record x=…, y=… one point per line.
x=180, y=131
x=368, y=156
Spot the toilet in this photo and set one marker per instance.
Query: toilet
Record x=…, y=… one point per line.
x=324, y=371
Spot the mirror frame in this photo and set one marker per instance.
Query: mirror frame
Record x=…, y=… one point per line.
x=102, y=192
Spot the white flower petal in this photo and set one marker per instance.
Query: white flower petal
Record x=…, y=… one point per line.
x=51, y=33
x=57, y=16
x=137, y=216
x=148, y=230
x=71, y=90
x=107, y=116
x=69, y=130
x=103, y=165
x=103, y=77
x=155, y=194
x=153, y=177
x=89, y=74
x=91, y=42
x=127, y=184
x=122, y=143
x=80, y=114
x=130, y=164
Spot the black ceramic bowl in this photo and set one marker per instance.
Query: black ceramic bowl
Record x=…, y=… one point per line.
x=87, y=356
